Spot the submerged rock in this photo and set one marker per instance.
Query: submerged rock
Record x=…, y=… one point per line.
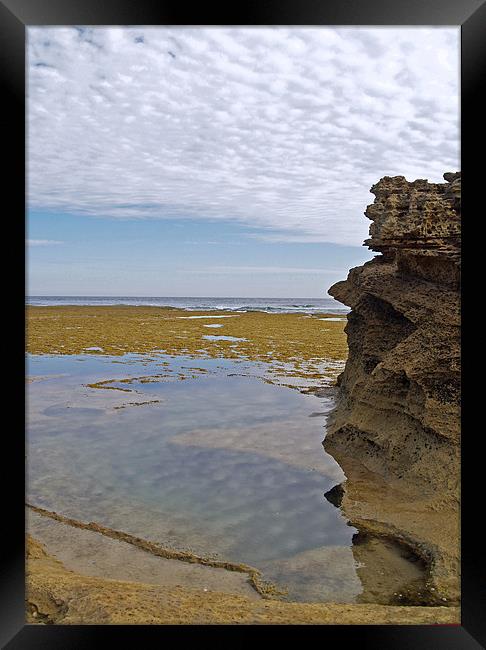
x=396, y=426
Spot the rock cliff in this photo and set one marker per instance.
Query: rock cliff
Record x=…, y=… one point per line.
x=396, y=427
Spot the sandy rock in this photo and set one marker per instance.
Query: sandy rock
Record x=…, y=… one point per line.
x=395, y=429
x=57, y=596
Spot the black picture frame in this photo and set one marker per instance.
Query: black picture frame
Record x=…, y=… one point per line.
x=15, y=16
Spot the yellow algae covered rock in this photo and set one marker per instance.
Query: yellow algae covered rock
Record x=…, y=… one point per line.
x=301, y=341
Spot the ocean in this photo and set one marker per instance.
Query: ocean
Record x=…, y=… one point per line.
x=269, y=305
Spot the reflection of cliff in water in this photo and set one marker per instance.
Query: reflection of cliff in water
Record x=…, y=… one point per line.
x=391, y=573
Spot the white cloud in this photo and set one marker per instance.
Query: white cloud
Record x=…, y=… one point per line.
x=249, y=270
x=42, y=242
x=284, y=129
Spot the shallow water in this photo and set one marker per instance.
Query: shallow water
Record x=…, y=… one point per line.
x=212, y=337
x=196, y=454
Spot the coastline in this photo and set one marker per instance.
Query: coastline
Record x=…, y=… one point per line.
x=215, y=305
x=304, y=348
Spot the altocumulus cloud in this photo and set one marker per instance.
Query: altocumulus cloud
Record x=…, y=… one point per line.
x=282, y=129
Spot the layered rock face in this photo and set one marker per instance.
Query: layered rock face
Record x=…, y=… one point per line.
x=396, y=427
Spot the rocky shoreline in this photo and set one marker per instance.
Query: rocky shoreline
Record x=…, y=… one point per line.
x=58, y=596
x=395, y=430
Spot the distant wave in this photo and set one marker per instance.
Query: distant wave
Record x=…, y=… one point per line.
x=268, y=305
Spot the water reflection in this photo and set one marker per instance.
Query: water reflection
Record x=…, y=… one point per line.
x=212, y=460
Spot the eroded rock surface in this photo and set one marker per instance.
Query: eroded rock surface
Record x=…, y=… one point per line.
x=396, y=427
x=57, y=596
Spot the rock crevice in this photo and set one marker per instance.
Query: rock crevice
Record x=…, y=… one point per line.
x=396, y=426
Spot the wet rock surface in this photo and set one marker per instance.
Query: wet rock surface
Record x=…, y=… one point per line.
x=57, y=596
x=396, y=426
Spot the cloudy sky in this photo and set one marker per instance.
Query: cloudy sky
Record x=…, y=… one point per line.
x=224, y=161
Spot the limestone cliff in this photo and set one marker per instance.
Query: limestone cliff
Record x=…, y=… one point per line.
x=396, y=426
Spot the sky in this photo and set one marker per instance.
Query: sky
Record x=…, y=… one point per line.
x=224, y=161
